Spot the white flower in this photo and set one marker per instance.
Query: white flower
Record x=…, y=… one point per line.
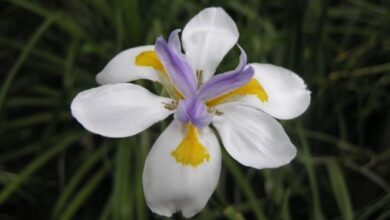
x=183, y=167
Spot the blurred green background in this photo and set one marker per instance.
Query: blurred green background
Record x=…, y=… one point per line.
x=51, y=168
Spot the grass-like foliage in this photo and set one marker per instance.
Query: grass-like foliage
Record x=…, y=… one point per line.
x=51, y=168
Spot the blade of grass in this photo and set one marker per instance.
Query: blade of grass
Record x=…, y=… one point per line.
x=31, y=182
x=332, y=140
x=80, y=173
x=22, y=58
x=376, y=9
x=244, y=185
x=371, y=209
x=366, y=71
x=385, y=215
x=46, y=56
x=145, y=140
x=104, y=8
x=306, y=157
x=84, y=194
x=69, y=75
x=65, y=22
x=122, y=204
x=18, y=152
x=132, y=19
x=232, y=214
x=20, y=102
x=119, y=27
x=107, y=210
x=366, y=172
x=36, y=164
x=340, y=189
x=40, y=118
x=273, y=187
x=285, y=212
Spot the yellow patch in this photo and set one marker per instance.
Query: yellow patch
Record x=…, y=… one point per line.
x=149, y=58
x=190, y=151
x=253, y=87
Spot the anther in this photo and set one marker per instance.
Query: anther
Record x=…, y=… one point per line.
x=211, y=110
x=218, y=113
x=170, y=106
x=199, y=76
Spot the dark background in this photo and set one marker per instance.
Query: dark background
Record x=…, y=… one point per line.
x=51, y=168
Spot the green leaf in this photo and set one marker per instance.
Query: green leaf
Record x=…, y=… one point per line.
x=340, y=189
x=122, y=196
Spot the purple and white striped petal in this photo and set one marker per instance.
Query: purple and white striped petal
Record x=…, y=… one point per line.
x=176, y=66
x=226, y=82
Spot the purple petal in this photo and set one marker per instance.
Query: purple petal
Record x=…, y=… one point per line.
x=228, y=81
x=174, y=40
x=198, y=108
x=203, y=121
x=177, y=66
x=195, y=111
x=182, y=114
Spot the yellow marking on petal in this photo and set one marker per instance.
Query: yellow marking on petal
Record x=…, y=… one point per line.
x=149, y=58
x=190, y=151
x=253, y=87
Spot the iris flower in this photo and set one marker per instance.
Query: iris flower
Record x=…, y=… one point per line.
x=183, y=166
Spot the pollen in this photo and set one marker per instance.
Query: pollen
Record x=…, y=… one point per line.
x=190, y=151
x=150, y=59
x=253, y=87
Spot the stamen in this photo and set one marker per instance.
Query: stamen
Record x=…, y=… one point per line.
x=218, y=113
x=211, y=109
x=199, y=76
x=170, y=106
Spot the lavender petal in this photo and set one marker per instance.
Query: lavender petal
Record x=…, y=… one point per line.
x=177, y=67
x=223, y=83
x=182, y=113
x=174, y=40
x=203, y=121
x=193, y=110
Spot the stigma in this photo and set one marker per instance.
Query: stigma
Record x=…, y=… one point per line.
x=193, y=110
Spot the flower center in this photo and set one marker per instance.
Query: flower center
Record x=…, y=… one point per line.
x=194, y=98
x=194, y=111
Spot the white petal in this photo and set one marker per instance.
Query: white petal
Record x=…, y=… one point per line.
x=169, y=186
x=252, y=137
x=118, y=110
x=288, y=96
x=122, y=68
x=207, y=38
